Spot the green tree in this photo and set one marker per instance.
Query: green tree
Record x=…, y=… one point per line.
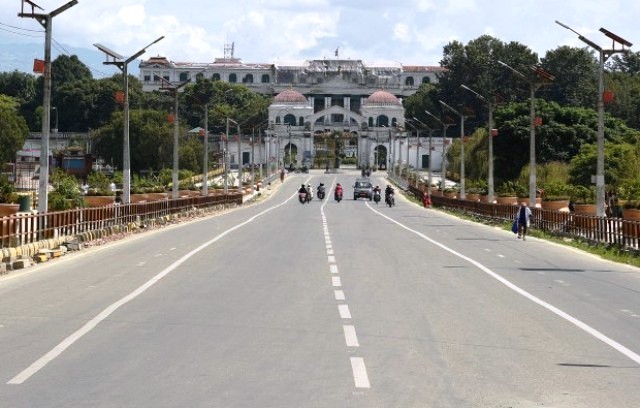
x=13, y=129
x=575, y=70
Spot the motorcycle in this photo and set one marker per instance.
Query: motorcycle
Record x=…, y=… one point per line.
x=376, y=196
x=390, y=200
x=338, y=195
x=321, y=193
x=303, y=198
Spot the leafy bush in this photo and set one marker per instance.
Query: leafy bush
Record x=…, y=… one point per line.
x=511, y=189
x=7, y=191
x=66, y=194
x=99, y=184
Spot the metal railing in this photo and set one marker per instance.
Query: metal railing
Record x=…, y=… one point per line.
x=617, y=232
x=24, y=229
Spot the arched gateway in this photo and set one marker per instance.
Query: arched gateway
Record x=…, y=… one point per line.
x=335, y=131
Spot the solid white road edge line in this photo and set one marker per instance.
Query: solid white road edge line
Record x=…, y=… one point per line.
x=580, y=324
x=66, y=343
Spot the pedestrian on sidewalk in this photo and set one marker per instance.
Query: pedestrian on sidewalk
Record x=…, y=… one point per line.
x=523, y=217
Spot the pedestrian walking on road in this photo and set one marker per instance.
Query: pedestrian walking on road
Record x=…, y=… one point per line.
x=523, y=218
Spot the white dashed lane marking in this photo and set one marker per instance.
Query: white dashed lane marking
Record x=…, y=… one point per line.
x=344, y=311
x=360, y=377
x=350, y=336
x=339, y=294
x=333, y=268
x=335, y=281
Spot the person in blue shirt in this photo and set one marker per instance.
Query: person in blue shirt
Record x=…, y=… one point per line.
x=523, y=217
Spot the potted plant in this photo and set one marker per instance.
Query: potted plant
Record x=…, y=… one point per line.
x=66, y=192
x=583, y=198
x=8, y=197
x=99, y=192
x=508, y=193
x=630, y=194
x=477, y=189
x=555, y=197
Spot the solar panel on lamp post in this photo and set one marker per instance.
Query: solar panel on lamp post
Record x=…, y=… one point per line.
x=603, y=56
x=544, y=77
x=113, y=58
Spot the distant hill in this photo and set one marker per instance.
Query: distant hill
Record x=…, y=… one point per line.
x=14, y=56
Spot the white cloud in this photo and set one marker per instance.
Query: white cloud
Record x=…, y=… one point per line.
x=401, y=32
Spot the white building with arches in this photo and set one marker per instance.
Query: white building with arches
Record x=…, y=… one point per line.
x=357, y=100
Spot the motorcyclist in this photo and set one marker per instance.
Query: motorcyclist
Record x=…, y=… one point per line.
x=303, y=189
x=377, y=189
x=387, y=192
x=320, y=189
x=338, y=189
x=310, y=191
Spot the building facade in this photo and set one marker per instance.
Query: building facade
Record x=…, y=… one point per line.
x=319, y=106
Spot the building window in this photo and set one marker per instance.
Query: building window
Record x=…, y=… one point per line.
x=394, y=122
x=409, y=81
x=426, y=80
x=370, y=122
x=184, y=76
x=248, y=79
x=233, y=78
x=382, y=120
x=166, y=77
x=147, y=78
x=266, y=79
x=289, y=119
x=215, y=77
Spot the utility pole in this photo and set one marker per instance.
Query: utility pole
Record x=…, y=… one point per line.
x=173, y=89
x=113, y=58
x=45, y=21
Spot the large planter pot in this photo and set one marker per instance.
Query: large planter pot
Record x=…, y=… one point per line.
x=509, y=200
x=526, y=200
x=437, y=193
x=585, y=209
x=631, y=229
x=156, y=196
x=99, y=201
x=632, y=214
x=556, y=205
x=473, y=197
x=8, y=209
x=138, y=198
x=450, y=195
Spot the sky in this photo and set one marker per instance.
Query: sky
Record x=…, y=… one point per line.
x=410, y=32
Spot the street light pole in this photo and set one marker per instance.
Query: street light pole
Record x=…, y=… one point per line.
x=46, y=21
x=173, y=89
x=444, y=140
x=604, y=55
x=490, y=136
x=533, y=87
x=122, y=63
x=429, y=155
x=463, y=194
